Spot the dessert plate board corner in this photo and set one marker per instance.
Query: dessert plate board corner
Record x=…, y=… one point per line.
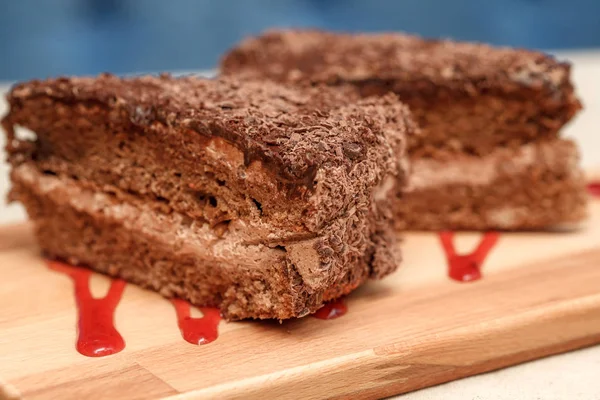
x=539, y=295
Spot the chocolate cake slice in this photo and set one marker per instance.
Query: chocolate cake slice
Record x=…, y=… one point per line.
x=489, y=154
x=245, y=196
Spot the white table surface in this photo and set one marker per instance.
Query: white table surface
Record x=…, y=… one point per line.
x=574, y=375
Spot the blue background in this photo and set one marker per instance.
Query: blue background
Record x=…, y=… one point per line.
x=40, y=38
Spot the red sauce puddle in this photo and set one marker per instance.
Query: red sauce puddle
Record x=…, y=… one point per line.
x=467, y=267
x=594, y=189
x=197, y=330
x=96, y=332
x=332, y=310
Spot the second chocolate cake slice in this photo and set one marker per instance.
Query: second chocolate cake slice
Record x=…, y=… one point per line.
x=243, y=196
x=489, y=156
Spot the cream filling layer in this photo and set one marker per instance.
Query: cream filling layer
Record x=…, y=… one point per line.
x=173, y=230
x=556, y=155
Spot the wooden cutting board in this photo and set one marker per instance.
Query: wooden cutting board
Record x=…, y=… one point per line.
x=539, y=295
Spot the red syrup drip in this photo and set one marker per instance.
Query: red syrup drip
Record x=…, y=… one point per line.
x=197, y=330
x=332, y=310
x=594, y=189
x=96, y=332
x=467, y=267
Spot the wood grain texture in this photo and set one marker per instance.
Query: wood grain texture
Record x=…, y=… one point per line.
x=540, y=295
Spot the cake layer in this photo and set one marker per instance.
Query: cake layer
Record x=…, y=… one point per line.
x=467, y=98
x=537, y=186
x=214, y=150
x=182, y=258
